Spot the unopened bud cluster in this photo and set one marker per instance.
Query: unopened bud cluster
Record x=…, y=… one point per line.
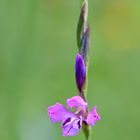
x=83, y=39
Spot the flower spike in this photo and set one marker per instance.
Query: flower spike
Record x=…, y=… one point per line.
x=73, y=121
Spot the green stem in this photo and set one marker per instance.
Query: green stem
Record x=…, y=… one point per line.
x=86, y=127
x=87, y=131
x=81, y=29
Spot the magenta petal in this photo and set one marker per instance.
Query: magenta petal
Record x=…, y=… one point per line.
x=71, y=125
x=76, y=102
x=92, y=117
x=56, y=112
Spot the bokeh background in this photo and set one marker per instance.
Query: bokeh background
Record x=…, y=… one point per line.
x=37, y=52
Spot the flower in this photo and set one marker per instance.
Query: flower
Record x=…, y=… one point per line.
x=80, y=72
x=72, y=121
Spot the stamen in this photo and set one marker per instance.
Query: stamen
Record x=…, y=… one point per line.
x=78, y=111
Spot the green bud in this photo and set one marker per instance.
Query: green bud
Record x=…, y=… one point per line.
x=82, y=22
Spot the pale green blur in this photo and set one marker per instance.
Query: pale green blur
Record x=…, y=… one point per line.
x=37, y=54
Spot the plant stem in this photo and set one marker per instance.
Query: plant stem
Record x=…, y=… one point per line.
x=83, y=48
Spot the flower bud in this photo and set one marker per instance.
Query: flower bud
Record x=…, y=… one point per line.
x=85, y=44
x=82, y=22
x=80, y=72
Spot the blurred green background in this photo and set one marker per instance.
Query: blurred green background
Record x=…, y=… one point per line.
x=37, y=52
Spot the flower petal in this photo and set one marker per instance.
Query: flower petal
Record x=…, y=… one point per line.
x=76, y=102
x=71, y=125
x=57, y=112
x=92, y=117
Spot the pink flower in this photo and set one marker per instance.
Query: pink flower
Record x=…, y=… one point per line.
x=72, y=121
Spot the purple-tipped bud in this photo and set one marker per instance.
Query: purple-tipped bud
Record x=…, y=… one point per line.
x=86, y=44
x=80, y=72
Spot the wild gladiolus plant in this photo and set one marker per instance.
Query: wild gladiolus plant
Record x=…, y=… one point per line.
x=73, y=122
